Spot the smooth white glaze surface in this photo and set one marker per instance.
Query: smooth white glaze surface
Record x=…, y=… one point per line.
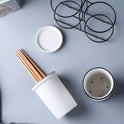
x=49, y=39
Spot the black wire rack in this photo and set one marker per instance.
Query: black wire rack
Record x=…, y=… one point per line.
x=86, y=17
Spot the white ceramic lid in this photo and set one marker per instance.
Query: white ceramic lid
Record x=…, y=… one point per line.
x=49, y=39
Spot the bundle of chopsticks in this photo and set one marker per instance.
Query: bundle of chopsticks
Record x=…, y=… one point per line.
x=31, y=67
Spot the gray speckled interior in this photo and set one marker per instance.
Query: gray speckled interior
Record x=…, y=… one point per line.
x=98, y=85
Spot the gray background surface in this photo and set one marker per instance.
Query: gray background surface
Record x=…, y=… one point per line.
x=77, y=55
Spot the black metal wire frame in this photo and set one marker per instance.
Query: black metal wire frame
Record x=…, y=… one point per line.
x=81, y=14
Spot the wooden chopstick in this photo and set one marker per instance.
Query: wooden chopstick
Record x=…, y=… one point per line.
x=27, y=68
x=31, y=67
x=43, y=75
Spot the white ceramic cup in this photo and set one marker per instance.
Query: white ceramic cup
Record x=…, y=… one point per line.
x=54, y=95
x=98, y=83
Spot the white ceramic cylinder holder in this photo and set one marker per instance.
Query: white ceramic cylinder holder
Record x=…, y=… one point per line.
x=98, y=83
x=54, y=95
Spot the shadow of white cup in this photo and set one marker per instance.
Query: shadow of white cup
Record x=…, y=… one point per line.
x=55, y=95
x=98, y=83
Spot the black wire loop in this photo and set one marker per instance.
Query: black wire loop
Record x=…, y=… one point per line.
x=84, y=19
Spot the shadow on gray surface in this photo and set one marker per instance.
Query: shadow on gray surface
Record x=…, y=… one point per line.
x=81, y=109
x=22, y=2
x=118, y=90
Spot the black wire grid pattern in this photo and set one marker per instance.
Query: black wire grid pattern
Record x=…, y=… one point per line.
x=83, y=15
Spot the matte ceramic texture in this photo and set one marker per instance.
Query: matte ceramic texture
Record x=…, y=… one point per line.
x=98, y=83
x=54, y=95
x=49, y=39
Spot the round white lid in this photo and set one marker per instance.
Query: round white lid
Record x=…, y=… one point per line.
x=49, y=39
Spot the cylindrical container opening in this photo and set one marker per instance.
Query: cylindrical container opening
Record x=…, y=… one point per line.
x=98, y=83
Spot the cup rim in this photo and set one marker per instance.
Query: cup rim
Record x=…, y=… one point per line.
x=52, y=74
x=105, y=96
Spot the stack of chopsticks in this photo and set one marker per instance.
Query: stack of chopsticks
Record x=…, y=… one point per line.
x=31, y=67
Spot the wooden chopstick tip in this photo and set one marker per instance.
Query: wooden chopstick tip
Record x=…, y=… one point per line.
x=28, y=63
x=18, y=50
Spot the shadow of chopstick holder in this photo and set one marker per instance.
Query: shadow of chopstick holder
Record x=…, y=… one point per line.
x=81, y=110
